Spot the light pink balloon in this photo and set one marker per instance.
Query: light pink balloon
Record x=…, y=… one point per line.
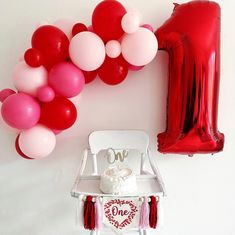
x=5, y=93
x=27, y=79
x=66, y=79
x=113, y=49
x=87, y=51
x=130, y=22
x=139, y=48
x=37, y=142
x=21, y=111
x=46, y=94
x=66, y=25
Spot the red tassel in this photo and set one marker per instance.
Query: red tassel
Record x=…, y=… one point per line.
x=153, y=212
x=89, y=214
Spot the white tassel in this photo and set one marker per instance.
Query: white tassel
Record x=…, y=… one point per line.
x=160, y=214
x=79, y=211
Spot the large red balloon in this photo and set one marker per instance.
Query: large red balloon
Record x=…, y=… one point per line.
x=106, y=20
x=113, y=71
x=52, y=43
x=192, y=38
x=58, y=114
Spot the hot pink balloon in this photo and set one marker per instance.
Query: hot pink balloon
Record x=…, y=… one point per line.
x=66, y=79
x=46, y=94
x=5, y=93
x=20, y=111
x=135, y=68
x=147, y=26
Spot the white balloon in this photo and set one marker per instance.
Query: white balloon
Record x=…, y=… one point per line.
x=139, y=48
x=27, y=79
x=87, y=51
x=37, y=142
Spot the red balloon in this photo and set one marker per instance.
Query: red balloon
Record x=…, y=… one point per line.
x=113, y=71
x=78, y=28
x=33, y=57
x=18, y=150
x=192, y=38
x=106, y=20
x=59, y=114
x=90, y=76
x=52, y=43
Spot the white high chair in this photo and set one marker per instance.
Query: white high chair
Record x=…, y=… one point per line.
x=148, y=183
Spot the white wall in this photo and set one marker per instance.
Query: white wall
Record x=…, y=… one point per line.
x=34, y=195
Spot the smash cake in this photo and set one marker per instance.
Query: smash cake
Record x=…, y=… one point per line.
x=118, y=180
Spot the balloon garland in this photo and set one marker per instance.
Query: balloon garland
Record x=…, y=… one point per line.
x=67, y=55
x=63, y=58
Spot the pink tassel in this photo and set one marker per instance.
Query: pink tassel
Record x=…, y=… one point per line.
x=98, y=215
x=144, y=215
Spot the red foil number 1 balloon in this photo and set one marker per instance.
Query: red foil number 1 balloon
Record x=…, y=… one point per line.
x=192, y=38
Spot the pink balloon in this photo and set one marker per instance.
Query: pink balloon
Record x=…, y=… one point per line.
x=28, y=79
x=147, y=26
x=130, y=22
x=90, y=28
x=5, y=93
x=20, y=111
x=56, y=132
x=113, y=48
x=46, y=94
x=66, y=79
x=37, y=142
x=87, y=51
x=135, y=68
x=139, y=48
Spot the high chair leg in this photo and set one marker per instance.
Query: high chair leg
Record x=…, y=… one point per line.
x=145, y=232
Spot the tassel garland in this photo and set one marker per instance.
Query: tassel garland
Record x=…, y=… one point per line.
x=89, y=214
x=144, y=215
x=153, y=212
x=98, y=215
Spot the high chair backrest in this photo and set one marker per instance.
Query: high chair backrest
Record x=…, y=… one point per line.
x=118, y=140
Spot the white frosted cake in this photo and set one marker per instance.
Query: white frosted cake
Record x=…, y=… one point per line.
x=118, y=180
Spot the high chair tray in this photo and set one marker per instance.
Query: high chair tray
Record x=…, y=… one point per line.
x=147, y=185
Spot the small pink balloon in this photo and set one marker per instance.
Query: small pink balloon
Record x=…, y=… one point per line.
x=147, y=26
x=5, y=93
x=20, y=111
x=113, y=49
x=46, y=94
x=90, y=29
x=56, y=132
x=66, y=79
x=130, y=22
x=135, y=68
